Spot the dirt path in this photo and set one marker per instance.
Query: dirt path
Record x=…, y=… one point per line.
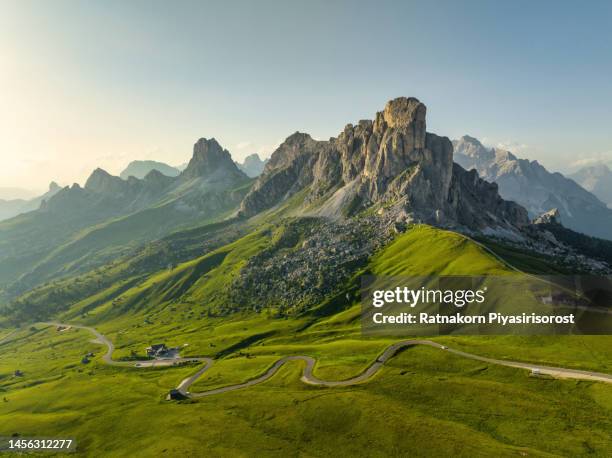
x=308, y=376
x=6, y=337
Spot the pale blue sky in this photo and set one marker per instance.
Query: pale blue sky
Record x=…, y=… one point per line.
x=88, y=83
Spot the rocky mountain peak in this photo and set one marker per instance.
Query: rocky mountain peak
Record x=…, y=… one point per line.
x=471, y=140
x=297, y=138
x=406, y=112
x=210, y=158
x=391, y=161
x=103, y=182
x=471, y=147
x=54, y=187
x=156, y=181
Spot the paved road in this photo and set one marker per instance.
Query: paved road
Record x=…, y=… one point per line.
x=310, y=378
x=108, y=356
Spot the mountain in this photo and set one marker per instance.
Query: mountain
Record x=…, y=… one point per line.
x=538, y=190
x=140, y=169
x=80, y=227
x=596, y=179
x=253, y=166
x=391, y=164
x=158, y=260
x=210, y=160
x=10, y=208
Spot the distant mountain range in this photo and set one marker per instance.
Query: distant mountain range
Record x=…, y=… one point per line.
x=253, y=165
x=10, y=208
x=80, y=227
x=379, y=176
x=596, y=179
x=538, y=190
x=140, y=169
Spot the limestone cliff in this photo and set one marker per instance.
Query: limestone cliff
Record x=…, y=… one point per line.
x=391, y=162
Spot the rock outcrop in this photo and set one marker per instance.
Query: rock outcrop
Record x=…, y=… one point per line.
x=549, y=217
x=391, y=162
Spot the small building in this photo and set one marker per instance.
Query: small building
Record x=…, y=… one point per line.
x=157, y=350
x=175, y=395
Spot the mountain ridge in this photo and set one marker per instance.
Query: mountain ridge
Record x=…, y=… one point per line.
x=596, y=179
x=80, y=227
x=14, y=207
x=534, y=187
x=141, y=168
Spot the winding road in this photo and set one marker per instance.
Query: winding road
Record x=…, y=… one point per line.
x=307, y=374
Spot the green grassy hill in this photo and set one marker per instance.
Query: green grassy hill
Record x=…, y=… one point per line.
x=423, y=402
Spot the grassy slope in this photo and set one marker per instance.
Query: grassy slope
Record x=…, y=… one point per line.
x=424, y=402
x=74, y=247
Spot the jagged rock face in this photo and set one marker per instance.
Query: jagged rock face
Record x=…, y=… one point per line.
x=211, y=161
x=475, y=202
x=471, y=149
x=289, y=170
x=394, y=156
x=391, y=160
